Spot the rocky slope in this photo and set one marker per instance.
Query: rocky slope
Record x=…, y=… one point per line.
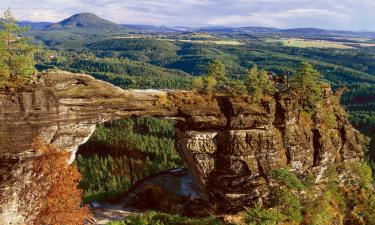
x=230, y=144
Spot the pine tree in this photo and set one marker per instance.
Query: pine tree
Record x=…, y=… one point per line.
x=259, y=83
x=16, y=54
x=307, y=82
x=216, y=70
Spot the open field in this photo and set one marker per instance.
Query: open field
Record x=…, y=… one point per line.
x=218, y=42
x=201, y=35
x=366, y=45
x=358, y=39
x=302, y=43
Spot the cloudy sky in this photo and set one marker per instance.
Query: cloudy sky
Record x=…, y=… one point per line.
x=331, y=14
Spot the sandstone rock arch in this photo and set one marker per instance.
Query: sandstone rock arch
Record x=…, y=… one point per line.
x=231, y=144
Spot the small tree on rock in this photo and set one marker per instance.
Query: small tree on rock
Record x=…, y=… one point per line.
x=307, y=82
x=16, y=54
x=259, y=83
x=216, y=70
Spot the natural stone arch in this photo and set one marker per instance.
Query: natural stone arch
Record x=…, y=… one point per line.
x=231, y=144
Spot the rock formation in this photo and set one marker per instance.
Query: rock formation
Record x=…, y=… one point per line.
x=231, y=144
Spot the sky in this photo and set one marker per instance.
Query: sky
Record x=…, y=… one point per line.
x=327, y=14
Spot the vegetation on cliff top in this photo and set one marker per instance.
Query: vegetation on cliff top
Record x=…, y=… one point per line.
x=155, y=218
x=299, y=202
x=16, y=54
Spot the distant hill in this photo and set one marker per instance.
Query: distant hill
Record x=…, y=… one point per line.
x=149, y=28
x=85, y=21
x=90, y=21
x=326, y=33
x=295, y=32
x=34, y=25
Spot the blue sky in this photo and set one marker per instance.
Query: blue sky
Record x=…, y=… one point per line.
x=331, y=14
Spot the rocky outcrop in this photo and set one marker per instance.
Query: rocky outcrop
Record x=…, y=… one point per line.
x=230, y=144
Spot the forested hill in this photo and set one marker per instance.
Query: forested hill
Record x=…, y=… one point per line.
x=85, y=21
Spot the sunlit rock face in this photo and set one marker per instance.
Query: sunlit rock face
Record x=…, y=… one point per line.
x=230, y=144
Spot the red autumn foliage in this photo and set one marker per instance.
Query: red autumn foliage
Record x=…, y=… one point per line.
x=62, y=202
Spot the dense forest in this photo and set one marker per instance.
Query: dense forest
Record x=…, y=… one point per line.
x=122, y=152
x=164, y=61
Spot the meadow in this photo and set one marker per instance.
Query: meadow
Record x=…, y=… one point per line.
x=304, y=43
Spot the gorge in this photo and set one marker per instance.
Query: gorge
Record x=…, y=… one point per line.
x=231, y=144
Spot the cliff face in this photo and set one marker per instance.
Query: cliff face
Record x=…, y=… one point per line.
x=231, y=144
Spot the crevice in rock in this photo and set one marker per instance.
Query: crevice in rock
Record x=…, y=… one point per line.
x=226, y=108
x=261, y=170
x=279, y=114
x=343, y=141
x=317, y=156
x=280, y=124
x=21, y=105
x=286, y=146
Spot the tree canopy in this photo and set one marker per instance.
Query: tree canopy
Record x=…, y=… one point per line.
x=307, y=82
x=16, y=54
x=259, y=83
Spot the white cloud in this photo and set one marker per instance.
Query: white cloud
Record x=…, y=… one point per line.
x=282, y=19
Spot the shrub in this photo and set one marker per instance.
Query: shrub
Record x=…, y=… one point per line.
x=358, y=192
x=323, y=211
x=261, y=216
x=288, y=179
x=290, y=206
x=330, y=120
x=237, y=87
x=156, y=218
x=206, y=85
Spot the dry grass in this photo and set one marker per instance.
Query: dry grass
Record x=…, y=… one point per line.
x=202, y=35
x=219, y=42
x=302, y=43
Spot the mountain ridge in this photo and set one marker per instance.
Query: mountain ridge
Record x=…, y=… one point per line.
x=92, y=21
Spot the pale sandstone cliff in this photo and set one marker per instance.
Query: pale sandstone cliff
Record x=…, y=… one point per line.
x=231, y=144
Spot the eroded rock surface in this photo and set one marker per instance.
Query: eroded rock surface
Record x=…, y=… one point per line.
x=230, y=144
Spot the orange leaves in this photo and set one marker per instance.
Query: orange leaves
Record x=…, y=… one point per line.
x=61, y=203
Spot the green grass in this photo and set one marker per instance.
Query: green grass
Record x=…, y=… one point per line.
x=201, y=35
x=302, y=43
x=218, y=42
x=201, y=39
